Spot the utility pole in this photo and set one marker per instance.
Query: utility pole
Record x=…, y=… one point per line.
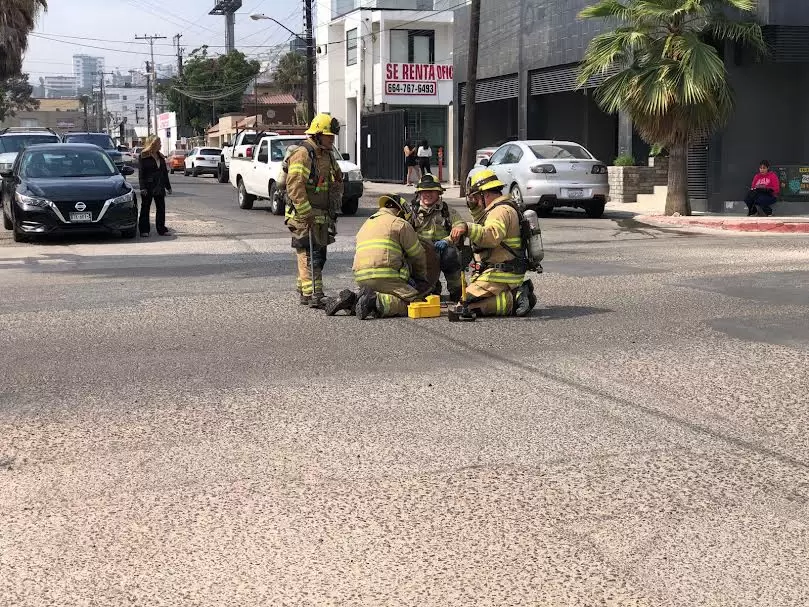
x=149, y=100
x=468, y=151
x=181, y=109
x=151, y=40
x=104, y=122
x=310, y=60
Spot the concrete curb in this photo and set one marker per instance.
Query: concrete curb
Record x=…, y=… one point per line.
x=735, y=224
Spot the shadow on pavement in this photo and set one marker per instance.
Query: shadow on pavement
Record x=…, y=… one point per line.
x=566, y=312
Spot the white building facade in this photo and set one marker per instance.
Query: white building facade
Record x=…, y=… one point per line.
x=87, y=70
x=58, y=87
x=384, y=56
x=129, y=103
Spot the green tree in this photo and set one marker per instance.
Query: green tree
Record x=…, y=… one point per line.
x=15, y=96
x=209, y=86
x=17, y=19
x=290, y=74
x=671, y=80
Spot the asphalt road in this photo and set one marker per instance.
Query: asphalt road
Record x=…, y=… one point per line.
x=175, y=430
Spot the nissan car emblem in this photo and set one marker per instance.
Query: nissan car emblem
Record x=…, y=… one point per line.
x=80, y=206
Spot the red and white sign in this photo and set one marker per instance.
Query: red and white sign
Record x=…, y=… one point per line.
x=164, y=120
x=417, y=83
x=417, y=72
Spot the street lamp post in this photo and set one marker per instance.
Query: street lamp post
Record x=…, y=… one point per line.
x=310, y=56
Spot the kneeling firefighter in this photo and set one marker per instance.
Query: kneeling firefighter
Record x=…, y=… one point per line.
x=391, y=265
x=314, y=188
x=433, y=220
x=498, y=286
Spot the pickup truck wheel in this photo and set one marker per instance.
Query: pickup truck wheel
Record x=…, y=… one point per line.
x=276, y=201
x=245, y=200
x=222, y=173
x=350, y=206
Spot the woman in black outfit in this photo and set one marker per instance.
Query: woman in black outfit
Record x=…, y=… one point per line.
x=153, y=176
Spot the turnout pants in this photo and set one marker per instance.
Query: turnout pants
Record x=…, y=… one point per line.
x=392, y=295
x=450, y=263
x=307, y=284
x=490, y=298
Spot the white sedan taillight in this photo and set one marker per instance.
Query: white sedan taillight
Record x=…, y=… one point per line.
x=543, y=168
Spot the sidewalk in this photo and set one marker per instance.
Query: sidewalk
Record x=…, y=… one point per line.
x=650, y=213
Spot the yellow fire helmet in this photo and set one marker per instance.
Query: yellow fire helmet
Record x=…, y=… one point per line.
x=397, y=202
x=483, y=181
x=324, y=124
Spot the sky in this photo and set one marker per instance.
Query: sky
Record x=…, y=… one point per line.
x=69, y=25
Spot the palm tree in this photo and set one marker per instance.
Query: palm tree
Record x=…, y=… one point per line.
x=17, y=19
x=661, y=68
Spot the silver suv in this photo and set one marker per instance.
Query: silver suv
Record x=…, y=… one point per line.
x=14, y=139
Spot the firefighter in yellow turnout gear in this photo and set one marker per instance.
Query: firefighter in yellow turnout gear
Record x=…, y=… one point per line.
x=314, y=190
x=390, y=264
x=498, y=277
x=433, y=220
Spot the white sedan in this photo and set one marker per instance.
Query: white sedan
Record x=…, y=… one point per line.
x=544, y=174
x=201, y=161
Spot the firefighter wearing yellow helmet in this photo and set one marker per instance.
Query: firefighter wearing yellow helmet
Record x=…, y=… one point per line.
x=498, y=286
x=314, y=190
x=390, y=264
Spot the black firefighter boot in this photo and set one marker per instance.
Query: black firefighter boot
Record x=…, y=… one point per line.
x=524, y=299
x=366, y=305
x=318, y=300
x=304, y=299
x=345, y=300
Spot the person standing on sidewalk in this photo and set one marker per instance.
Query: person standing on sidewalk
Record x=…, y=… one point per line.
x=411, y=163
x=153, y=178
x=424, y=153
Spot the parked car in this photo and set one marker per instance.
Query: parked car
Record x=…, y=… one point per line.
x=105, y=142
x=201, y=161
x=13, y=140
x=488, y=151
x=177, y=160
x=256, y=177
x=545, y=174
x=67, y=187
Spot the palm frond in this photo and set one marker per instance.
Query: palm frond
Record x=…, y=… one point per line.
x=744, y=33
x=607, y=9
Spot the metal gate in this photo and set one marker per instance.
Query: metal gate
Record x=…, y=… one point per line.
x=382, y=137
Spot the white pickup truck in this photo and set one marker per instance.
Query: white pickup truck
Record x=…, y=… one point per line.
x=255, y=178
x=241, y=147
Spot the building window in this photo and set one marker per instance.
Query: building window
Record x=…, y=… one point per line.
x=412, y=46
x=351, y=47
x=123, y=97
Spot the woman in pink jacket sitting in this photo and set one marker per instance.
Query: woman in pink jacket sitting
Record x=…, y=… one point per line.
x=763, y=191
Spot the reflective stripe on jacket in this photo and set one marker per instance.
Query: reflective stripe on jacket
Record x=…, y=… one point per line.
x=388, y=247
x=322, y=191
x=500, y=224
x=430, y=223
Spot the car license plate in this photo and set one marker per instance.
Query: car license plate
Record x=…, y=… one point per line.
x=81, y=217
x=575, y=193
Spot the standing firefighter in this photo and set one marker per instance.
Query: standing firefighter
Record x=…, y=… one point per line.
x=314, y=190
x=433, y=220
x=498, y=286
x=390, y=264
